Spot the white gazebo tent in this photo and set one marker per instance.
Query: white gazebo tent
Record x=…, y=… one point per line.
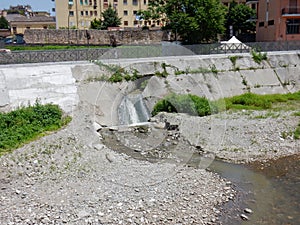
x=233, y=45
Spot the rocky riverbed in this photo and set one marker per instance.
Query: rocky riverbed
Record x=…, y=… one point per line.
x=74, y=177
x=70, y=177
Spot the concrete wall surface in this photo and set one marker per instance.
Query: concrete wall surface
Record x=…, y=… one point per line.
x=212, y=76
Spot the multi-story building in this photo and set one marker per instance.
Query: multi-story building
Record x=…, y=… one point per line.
x=22, y=17
x=79, y=13
x=277, y=20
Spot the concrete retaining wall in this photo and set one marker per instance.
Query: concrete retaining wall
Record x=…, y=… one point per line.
x=213, y=76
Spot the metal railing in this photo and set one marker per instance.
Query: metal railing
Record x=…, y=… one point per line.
x=290, y=10
x=145, y=51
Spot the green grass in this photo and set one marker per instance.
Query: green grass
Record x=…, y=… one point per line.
x=48, y=47
x=28, y=123
x=260, y=102
x=297, y=132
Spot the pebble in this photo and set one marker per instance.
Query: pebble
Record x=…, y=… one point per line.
x=247, y=210
x=244, y=217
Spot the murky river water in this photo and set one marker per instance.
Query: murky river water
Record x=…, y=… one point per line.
x=271, y=190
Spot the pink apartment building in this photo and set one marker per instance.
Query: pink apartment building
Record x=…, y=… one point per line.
x=277, y=20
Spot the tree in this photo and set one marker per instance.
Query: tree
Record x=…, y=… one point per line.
x=4, y=24
x=110, y=19
x=238, y=17
x=194, y=20
x=153, y=12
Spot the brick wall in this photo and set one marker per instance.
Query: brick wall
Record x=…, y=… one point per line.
x=97, y=37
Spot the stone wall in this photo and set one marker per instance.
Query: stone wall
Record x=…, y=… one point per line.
x=97, y=37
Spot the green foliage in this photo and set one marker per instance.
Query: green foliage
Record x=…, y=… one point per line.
x=110, y=19
x=248, y=101
x=297, y=132
x=4, y=24
x=238, y=16
x=296, y=114
x=27, y=123
x=258, y=57
x=233, y=60
x=195, y=21
x=96, y=24
x=190, y=104
x=259, y=102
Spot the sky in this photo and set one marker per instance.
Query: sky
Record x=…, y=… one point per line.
x=37, y=5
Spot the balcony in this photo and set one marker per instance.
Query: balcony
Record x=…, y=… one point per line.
x=251, y=2
x=290, y=12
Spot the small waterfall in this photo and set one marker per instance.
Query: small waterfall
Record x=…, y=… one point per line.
x=133, y=110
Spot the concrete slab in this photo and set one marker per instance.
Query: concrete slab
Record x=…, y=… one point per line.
x=285, y=59
x=260, y=77
x=4, y=98
x=230, y=83
x=269, y=90
x=290, y=78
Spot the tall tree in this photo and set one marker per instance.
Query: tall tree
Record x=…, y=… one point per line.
x=239, y=17
x=194, y=20
x=110, y=19
x=4, y=24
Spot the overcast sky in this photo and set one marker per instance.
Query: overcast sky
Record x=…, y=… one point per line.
x=37, y=5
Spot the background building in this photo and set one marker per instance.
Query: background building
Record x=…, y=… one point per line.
x=278, y=20
x=79, y=13
x=21, y=17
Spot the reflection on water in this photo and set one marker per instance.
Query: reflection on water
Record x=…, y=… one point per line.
x=270, y=189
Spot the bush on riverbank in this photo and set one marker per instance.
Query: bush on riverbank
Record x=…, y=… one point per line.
x=27, y=123
x=190, y=104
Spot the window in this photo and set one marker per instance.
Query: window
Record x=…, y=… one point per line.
x=145, y=2
x=81, y=13
x=270, y=22
x=96, y=13
x=135, y=22
x=70, y=2
x=14, y=30
x=53, y=9
x=81, y=2
x=125, y=13
x=292, y=26
x=134, y=12
x=261, y=24
x=134, y=2
x=86, y=13
x=90, y=2
x=124, y=2
x=125, y=23
x=45, y=27
x=28, y=28
x=91, y=13
x=85, y=2
x=71, y=13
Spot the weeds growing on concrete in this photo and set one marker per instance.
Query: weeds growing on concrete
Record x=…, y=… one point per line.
x=258, y=57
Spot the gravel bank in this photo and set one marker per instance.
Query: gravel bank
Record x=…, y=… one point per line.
x=70, y=177
x=240, y=137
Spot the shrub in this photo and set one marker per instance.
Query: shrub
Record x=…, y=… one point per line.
x=190, y=104
x=258, y=57
x=26, y=123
